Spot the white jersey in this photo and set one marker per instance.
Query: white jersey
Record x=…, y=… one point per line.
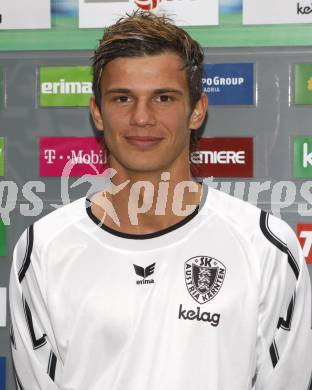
x=219, y=301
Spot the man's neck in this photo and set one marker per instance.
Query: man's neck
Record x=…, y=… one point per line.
x=149, y=202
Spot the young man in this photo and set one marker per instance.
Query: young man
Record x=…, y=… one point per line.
x=173, y=286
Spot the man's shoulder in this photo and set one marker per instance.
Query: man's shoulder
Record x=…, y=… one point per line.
x=241, y=214
x=59, y=220
x=248, y=218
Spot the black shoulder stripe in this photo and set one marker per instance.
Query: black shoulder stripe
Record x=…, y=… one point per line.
x=52, y=365
x=12, y=337
x=274, y=354
x=310, y=383
x=41, y=341
x=286, y=323
x=254, y=379
x=264, y=216
x=18, y=381
x=29, y=248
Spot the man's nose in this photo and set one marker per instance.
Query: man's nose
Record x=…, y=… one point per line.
x=142, y=114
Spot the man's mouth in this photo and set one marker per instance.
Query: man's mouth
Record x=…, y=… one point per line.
x=143, y=142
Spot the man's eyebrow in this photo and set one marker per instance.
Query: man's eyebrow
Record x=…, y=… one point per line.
x=117, y=90
x=168, y=90
x=158, y=91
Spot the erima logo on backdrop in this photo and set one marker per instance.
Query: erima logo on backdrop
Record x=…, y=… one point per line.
x=84, y=153
x=223, y=157
x=204, y=277
x=304, y=234
x=65, y=86
x=145, y=273
x=229, y=84
x=303, y=157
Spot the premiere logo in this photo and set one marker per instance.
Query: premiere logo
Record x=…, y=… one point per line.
x=84, y=154
x=223, y=157
x=304, y=234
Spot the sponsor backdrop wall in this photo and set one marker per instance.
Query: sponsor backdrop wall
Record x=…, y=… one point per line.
x=257, y=142
x=75, y=24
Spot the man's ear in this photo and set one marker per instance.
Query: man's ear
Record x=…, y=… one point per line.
x=96, y=114
x=199, y=112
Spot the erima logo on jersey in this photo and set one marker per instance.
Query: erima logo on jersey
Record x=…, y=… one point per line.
x=212, y=318
x=144, y=273
x=204, y=277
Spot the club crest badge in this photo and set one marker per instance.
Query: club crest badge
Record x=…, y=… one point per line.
x=204, y=277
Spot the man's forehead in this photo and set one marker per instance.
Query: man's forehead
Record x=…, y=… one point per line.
x=156, y=71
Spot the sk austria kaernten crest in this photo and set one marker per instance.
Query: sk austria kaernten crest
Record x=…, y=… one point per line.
x=204, y=277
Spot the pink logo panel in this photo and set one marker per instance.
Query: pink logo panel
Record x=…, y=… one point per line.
x=71, y=156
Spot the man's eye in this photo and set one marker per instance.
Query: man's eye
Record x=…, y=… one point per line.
x=164, y=98
x=122, y=99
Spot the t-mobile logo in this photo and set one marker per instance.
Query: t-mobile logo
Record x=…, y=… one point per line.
x=50, y=155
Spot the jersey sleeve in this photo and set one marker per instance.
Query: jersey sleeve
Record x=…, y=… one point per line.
x=35, y=357
x=284, y=343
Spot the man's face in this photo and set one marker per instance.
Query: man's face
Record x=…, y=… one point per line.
x=145, y=112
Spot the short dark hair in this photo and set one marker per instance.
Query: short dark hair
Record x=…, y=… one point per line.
x=143, y=33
